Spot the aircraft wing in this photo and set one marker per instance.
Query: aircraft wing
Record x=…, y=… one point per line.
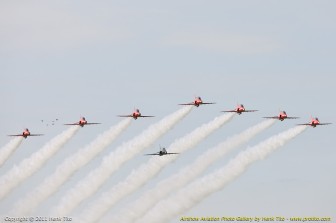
x=305, y=124
x=229, y=111
x=250, y=110
x=188, y=104
x=152, y=154
x=274, y=117
x=325, y=123
x=125, y=116
x=171, y=153
x=292, y=117
x=146, y=116
x=92, y=123
x=16, y=135
x=208, y=103
x=72, y=124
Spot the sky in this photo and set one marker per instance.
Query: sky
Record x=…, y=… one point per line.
x=66, y=59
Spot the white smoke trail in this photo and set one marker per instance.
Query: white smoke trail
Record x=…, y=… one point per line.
x=195, y=192
x=32, y=164
x=150, y=169
x=9, y=148
x=68, y=167
x=163, y=188
x=111, y=163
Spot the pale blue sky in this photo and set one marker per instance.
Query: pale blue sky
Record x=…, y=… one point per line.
x=65, y=59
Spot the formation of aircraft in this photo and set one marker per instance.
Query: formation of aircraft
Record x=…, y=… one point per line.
x=282, y=116
x=82, y=121
x=136, y=114
x=48, y=122
x=315, y=122
x=26, y=133
x=198, y=101
x=162, y=152
x=240, y=109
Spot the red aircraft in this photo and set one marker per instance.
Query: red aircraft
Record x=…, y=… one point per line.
x=136, y=114
x=83, y=122
x=197, y=102
x=239, y=109
x=26, y=133
x=314, y=122
x=282, y=116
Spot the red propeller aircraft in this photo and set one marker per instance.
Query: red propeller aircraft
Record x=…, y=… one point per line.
x=136, y=114
x=239, y=109
x=82, y=121
x=282, y=116
x=162, y=152
x=198, y=101
x=26, y=133
x=314, y=122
